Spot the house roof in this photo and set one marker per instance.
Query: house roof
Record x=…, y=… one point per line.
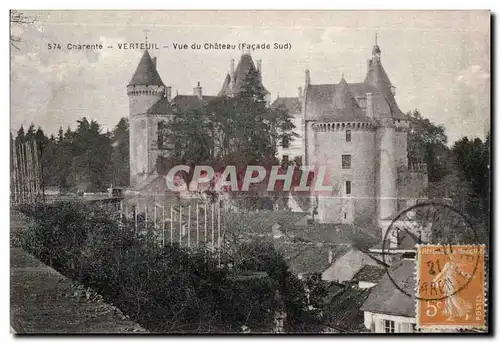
x=187, y=102
x=292, y=104
x=335, y=234
x=386, y=298
x=369, y=273
x=405, y=242
x=261, y=223
x=343, y=312
x=304, y=258
x=146, y=73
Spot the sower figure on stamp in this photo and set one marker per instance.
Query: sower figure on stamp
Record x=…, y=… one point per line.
x=455, y=305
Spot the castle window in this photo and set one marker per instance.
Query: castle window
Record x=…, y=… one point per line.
x=346, y=161
x=348, y=187
x=347, y=135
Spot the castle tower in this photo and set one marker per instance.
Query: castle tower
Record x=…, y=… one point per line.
x=144, y=90
x=344, y=142
x=386, y=137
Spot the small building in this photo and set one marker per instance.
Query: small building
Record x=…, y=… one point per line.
x=387, y=309
x=342, y=313
x=344, y=266
x=368, y=276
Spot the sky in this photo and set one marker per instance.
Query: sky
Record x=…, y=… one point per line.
x=439, y=61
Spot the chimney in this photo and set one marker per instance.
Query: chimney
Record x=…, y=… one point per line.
x=154, y=62
x=168, y=93
x=198, y=91
x=232, y=68
x=369, y=105
x=330, y=256
x=259, y=66
x=300, y=92
x=308, y=77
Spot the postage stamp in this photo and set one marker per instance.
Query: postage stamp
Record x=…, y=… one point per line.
x=450, y=287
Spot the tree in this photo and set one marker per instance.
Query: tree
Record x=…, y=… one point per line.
x=427, y=144
x=238, y=130
x=120, y=166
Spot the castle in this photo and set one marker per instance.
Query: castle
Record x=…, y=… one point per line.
x=356, y=130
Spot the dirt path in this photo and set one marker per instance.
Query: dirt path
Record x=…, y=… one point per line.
x=44, y=301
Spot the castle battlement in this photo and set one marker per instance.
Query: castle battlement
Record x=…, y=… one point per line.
x=340, y=126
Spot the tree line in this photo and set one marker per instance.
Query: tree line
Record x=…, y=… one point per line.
x=460, y=173
x=81, y=159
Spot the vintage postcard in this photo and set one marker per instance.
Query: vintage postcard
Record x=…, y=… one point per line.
x=256, y=171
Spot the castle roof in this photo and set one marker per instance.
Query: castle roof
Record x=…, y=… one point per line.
x=292, y=104
x=146, y=73
x=162, y=106
x=226, y=86
x=188, y=102
x=377, y=77
x=335, y=102
x=245, y=65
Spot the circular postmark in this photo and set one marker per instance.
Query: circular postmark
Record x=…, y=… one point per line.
x=434, y=224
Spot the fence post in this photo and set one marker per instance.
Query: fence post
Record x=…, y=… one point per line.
x=213, y=225
x=189, y=226
x=205, y=224
x=197, y=226
x=163, y=226
x=180, y=225
x=171, y=226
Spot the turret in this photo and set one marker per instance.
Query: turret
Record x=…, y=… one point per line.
x=146, y=86
x=144, y=90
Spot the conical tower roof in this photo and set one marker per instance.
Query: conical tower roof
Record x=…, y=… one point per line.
x=146, y=73
x=377, y=77
x=245, y=65
x=226, y=86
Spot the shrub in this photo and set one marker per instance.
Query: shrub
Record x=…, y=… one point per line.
x=165, y=289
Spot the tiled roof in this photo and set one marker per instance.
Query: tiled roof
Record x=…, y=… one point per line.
x=377, y=77
x=343, y=100
x=343, y=311
x=187, y=102
x=386, y=298
x=405, y=242
x=319, y=100
x=244, y=66
x=306, y=258
x=261, y=223
x=226, y=86
x=335, y=233
x=162, y=106
x=146, y=73
x=293, y=105
x=369, y=273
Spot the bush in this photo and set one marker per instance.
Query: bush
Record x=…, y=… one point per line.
x=165, y=289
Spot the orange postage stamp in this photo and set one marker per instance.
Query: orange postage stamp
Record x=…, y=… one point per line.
x=450, y=287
